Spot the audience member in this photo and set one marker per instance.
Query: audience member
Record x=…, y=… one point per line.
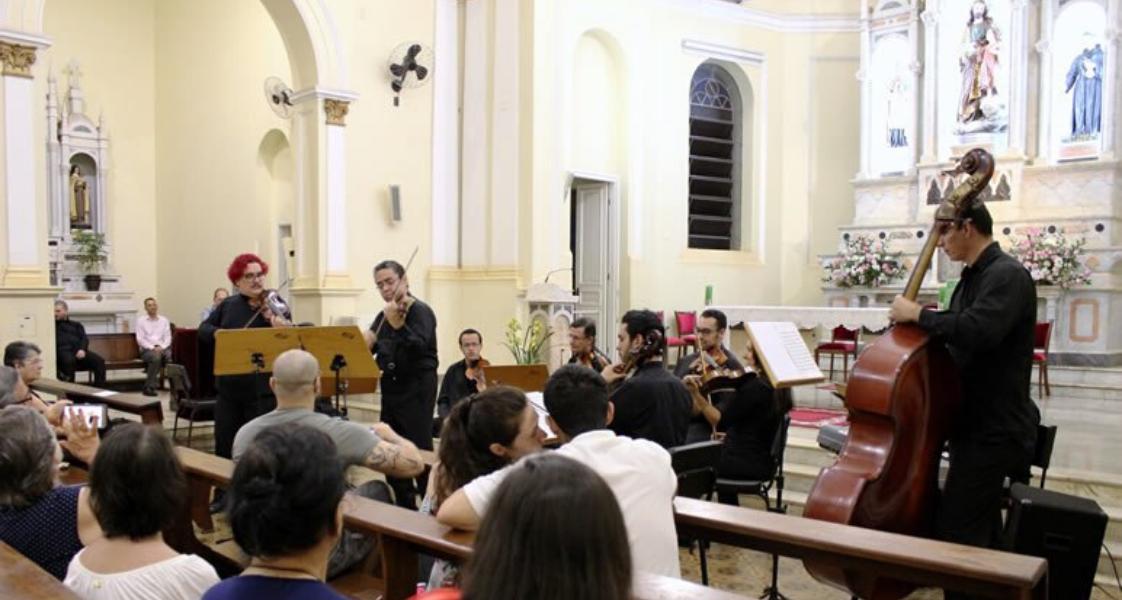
x=482, y=434
x=296, y=383
x=285, y=508
x=25, y=358
x=637, y=471
x=550, y=506
x=72, y=348
x=137, y=489
x=45, y=522
x=220, y=294
x=153, y=335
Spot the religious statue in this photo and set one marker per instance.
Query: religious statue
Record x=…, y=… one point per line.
x=897, y=115
x=1085, y=77
x=979, y=108
x=79, y=199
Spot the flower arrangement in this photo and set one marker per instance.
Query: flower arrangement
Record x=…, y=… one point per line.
x=864, y=262
x=1052, y=259
x=525, y=343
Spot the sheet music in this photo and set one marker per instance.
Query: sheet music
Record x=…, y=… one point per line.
x=537, y=400
x=785, y=355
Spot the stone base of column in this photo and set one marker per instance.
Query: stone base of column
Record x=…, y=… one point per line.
x=324, y=306
x=29, y=317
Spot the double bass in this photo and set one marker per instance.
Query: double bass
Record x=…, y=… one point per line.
x=902, y=398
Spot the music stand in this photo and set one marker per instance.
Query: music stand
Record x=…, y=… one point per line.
x=528, y=378
x=339, y=348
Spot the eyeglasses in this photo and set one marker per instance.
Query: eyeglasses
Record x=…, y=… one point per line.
x=252, y=276
x=705, y=330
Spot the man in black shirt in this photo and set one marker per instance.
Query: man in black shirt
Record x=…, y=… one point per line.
x=72, y=348
x=403, y=340
x=582, y=343
x=711, y=326
x=456, y=384
x=652, y=403
x=989, y=334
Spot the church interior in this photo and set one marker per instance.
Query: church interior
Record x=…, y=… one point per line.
x=542, y=174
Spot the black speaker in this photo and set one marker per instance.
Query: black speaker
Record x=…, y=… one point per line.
x=1064, y=529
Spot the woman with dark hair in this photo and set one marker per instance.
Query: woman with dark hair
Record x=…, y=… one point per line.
x=42, y=520
x=241, y=397
x=137, y=488
x=482, y=434
x=285, y=509
x=550, y=506
x=750, y=421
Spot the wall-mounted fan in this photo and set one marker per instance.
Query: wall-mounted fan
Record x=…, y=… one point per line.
x=410, y=67
x=279, y=97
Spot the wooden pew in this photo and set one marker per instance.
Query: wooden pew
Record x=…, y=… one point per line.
x=23, y=579
x=987, y=573
x=403, y=536
x=149, y=409
x=119, y=350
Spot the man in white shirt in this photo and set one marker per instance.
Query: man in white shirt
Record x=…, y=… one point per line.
x=637, y=471
x=153, y=335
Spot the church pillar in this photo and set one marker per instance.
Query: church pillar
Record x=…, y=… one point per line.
x=1018, y=80
x=930, y=18
x=865, y=82
x=24, y=264
x=476, y=139
x=916, y=68
x=1043, y=48
x=446, y=137
x=1112, y=79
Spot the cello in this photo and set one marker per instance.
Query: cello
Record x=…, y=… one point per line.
x=902, y=398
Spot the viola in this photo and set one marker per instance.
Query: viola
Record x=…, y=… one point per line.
x=476, y=374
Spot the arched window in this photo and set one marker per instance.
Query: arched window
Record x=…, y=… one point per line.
x=714, y=205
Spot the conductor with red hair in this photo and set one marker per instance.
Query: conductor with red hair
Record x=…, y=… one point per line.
x=241, y=397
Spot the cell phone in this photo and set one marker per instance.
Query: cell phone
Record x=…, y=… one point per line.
x=89, y=412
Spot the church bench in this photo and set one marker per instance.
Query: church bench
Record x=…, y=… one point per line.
x=403, y=536
x=21, y=578
x=147, y=408
x=925, y=562
x=119, y=350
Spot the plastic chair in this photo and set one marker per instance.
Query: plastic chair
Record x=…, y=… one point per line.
x=1042, y=339
x=842, y=341
x=696, y=467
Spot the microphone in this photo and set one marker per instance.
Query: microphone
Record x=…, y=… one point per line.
x=555, y=271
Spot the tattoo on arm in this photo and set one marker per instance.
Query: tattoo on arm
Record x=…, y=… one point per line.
x=387, y=458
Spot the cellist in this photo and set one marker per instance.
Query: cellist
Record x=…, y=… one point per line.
x=711, y=327
x=988, y=330
x=457, y=383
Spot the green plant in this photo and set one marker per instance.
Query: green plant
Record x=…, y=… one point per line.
x=91, y=250
x=525, y=343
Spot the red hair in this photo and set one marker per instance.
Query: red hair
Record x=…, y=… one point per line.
x=237, y=268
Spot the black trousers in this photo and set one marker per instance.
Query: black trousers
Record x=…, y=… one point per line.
x=407, y=406
x=241, y=398
x=68, y=363
x=970, y=508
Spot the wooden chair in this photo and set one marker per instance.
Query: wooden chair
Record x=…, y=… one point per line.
x=1042, y=339
x=696, y=467
x=842, y=341
x=192, y=409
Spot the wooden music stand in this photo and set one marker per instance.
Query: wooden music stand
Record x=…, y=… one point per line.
x=528, y=378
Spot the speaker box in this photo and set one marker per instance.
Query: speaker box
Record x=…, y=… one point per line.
x=395, y=203
x=1066, y=530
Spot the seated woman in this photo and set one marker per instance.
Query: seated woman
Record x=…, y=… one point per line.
x=45, y=522
x=26, y=359
x=136, y=490
x=285, y=508
x=550, y=506
x=750, y=421
x=483, y=433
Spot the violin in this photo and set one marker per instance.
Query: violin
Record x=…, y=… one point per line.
x=715, y=374
x=476, y=374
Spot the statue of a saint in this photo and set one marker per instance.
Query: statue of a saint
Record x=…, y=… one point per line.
x=979, y=66
x=1085, y=77
x=79, y=199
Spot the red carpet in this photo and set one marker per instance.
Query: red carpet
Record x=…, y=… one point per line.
x=817, y=417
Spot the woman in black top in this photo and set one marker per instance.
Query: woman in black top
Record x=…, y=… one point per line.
x=750, y=421
x=241, y=397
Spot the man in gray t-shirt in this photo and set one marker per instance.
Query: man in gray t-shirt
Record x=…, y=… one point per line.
x=295, y=382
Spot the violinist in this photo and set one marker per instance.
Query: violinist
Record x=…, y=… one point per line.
x=750, y=419
x=711, y=327
x=650, y=403
x=403, y=340
x=463, y=378
x=582, y=342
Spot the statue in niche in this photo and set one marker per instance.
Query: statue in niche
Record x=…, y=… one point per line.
x=1085, y=79
x=897, y=115
x=79, y=199
x=980, y=109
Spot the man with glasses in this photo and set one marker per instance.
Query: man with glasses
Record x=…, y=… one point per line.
x=403, y=340
x=456, y=384
x=711, y=327
x=582, y=342
x=988, y=330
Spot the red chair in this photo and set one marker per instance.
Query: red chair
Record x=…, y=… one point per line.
x=686, y=338
x=842, y=341
x=1042, y=338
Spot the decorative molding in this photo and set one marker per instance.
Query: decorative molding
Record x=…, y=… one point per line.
x=916, y=67
x=711, y=50
x=1076, y=327
x=336, y=111
x=861, y=75
x=25, y=39
x=1043, y=46
x=317, y=92
x=17, y=59
x=740, y=15
x=930, y=18
x=477, y=274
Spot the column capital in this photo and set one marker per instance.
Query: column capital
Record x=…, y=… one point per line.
x=1043, y=46
x=17, y=59
x=336, y=111
x=930, y=18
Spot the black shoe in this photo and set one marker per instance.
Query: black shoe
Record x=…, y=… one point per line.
x=219, y=503
x=148, y=391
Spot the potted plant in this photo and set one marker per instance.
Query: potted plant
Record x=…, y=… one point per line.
x=91, y=255
x=525, y=343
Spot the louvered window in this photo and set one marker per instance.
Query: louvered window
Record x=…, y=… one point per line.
x=714, y=154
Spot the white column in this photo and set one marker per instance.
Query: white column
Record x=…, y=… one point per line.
x=916, y=68
x=24, y=260
x=506, y=155
x=1018, y=79
x=930, y=18
x=476, y=138
x=305, y=148
x=1111, y=125
x=336, y=171
x=1043, y=48
x=446, y=136
x=863, y=77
